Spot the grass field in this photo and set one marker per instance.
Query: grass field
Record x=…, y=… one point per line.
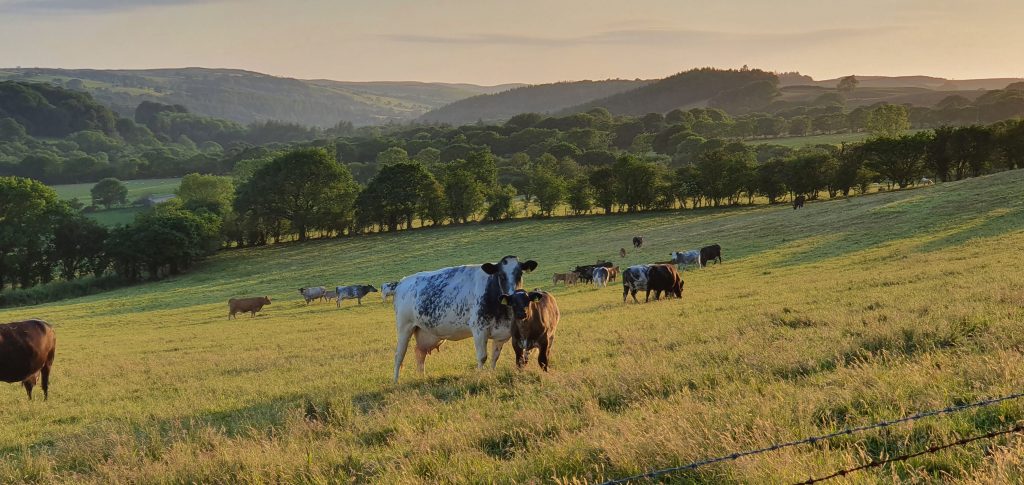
x=843, y=313
x=802, y=141
x=136, y=189
x=118, y=215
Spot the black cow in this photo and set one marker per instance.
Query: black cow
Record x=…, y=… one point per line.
x=638, y=241
x=586, y=272
x=798, y=202
x=708, y=253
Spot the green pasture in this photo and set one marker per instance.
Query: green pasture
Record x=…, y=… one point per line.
x=840, y=314
x=136, y=189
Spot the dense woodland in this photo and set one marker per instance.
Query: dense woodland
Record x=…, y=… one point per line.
x=270, y=182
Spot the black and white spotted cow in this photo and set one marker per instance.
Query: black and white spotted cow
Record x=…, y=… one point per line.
x=387, y=289
x=354, y=291
x=456, y=303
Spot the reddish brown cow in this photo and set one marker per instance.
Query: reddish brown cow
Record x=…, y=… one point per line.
x=613, y=274
x=536, y=319
x=664, y=278
x=251, y=305
x=622, y=252
x=26, y=352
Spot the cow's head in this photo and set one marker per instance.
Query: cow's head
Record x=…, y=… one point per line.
x=520, y=301
x=509, y=272
x=369, y=289
x=302, y=291
x=266, y=300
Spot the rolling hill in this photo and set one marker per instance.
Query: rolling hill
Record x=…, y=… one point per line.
x=841, y=314
x=540, y=98
x=246, y=96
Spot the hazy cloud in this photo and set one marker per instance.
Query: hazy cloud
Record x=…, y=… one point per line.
x=88, y=6
x=640, y=37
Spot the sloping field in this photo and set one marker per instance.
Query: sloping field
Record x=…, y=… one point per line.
x=840, y=314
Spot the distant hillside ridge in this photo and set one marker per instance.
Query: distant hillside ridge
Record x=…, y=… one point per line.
x=246, y=96
x=540, y=98
x=739, y=89
x=926, y=82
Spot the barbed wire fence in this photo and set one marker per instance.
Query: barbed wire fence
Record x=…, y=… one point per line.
x=848, y=431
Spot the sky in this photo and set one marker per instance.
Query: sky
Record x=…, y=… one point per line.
x=529, y=41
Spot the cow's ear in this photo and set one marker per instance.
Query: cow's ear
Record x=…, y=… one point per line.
x=535, y=296
x=504, y=300
x=490, y=268
x=529, y=266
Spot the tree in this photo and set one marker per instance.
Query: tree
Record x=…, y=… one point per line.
x=548, y=188
x=581, y=196
x=27, y=212
x=900, y=160
x=771, y=179
x=109, y=192
x=799, y=126
x=464, y=194
x=395, y=194
x=206, y=192
x=847, y=85
x=78, y=245
x=299, y=187
x=605, y=184
x=888, y=120
x=392, y=156
x=501, y=203
x=636, y=182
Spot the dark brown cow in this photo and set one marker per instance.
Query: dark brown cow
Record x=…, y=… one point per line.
x=536, y=319
x=26, y=352
x=622, y=252
x=798, y=202
x=664, y=278
x=638, y=241
x=251, y=305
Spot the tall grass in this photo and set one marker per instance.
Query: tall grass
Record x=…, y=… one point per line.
x=843, y=313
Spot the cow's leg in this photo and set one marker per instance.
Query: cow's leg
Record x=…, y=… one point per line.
x=30, y=383
x=480, y=342
x=404, y=334
x=45, y=371
x=496, y=346
x=542, y=355
x=647, y=298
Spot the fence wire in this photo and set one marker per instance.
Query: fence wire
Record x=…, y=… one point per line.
x=874, y=463
x=815, y=439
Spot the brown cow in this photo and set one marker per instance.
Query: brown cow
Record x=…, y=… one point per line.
x=26, y=352
x=622, y=252
x=664, y=278
x=563, y=277
x=251, y=305
x=613, y=273
x=536, y=319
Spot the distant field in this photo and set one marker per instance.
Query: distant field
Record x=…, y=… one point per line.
x=116, y=217
x=840, y=314
x=136, y=189
x=801, y=141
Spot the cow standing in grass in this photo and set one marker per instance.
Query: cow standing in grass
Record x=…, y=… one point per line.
x=314, y=293
x=536, y=319
x=658, y=278
x=683, y=258
x=26, y=354
x=356, y=292
x=387, y=289
x=242, y=305
x=710, y=253
x=456, y=303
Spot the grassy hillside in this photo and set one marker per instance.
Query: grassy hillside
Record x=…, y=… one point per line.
x=246, y=96
x=843, y=313
x=542, y=98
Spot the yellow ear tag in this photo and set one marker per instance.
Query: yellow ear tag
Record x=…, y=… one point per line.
x=504, y=301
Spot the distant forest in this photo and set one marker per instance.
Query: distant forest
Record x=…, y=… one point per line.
x=256, y=184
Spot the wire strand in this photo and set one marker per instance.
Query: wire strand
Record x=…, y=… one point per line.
x=876, y=463
x=815, y=439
